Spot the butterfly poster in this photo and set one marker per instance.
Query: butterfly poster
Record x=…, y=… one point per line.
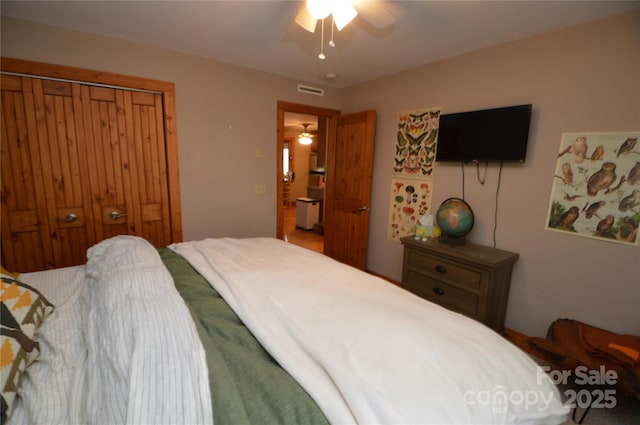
x=596, y=187
x=416, y=140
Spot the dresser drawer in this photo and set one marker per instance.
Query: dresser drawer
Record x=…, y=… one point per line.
x=470, y=279
x=441, y=293
x=442, y=269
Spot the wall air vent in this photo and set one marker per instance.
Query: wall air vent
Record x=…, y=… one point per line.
x=310, y=90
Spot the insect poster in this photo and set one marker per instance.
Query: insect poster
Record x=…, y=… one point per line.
x=596, y=187
x=416, y=140
x=410, y=199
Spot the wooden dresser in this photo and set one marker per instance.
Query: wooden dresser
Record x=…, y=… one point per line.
x=470, y=279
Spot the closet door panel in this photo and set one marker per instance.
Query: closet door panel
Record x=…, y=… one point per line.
x=84, y=166
x=127, y=148
x=129, y=164
x=46, y=219
x=151, y=164
x=85, y=122
x=23, y=217
x=105, y=148
x=60, y=163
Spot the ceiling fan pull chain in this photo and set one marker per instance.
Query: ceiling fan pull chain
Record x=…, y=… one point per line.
x=321, y=56
x=331, y=42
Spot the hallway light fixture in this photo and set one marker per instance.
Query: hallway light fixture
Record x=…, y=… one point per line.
x=304, y=138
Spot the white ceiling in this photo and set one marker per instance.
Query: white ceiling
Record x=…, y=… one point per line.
x=262, y=34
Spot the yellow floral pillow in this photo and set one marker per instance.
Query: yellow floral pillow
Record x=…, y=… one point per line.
x=23, y=311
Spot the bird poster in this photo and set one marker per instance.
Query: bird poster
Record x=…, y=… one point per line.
x=416, y=140
x=596, y=187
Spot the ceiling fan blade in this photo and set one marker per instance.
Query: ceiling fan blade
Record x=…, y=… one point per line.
x=343, y=12
x=305, y=20
x=380, y=14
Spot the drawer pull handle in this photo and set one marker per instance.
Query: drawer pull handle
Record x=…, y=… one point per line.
x=441, y=269
x=70, y=218
x=438, y=291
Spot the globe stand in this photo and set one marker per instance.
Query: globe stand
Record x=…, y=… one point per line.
x=453, y=242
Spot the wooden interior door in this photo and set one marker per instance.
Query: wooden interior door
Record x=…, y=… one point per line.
x=82, y=162
x=348, y=188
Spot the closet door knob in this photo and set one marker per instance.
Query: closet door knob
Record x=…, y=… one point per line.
x=115, y=215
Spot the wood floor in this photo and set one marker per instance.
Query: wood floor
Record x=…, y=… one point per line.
x=304, y=238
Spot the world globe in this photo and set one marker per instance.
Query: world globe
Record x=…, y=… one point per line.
x=455, y=219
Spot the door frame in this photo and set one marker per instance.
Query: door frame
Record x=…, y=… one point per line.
x=331, y=114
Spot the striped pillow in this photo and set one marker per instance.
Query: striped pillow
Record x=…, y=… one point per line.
x=23, y=311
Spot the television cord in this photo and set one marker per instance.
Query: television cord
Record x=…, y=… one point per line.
x=462, y=169
x=486, y=165
x=495, y=213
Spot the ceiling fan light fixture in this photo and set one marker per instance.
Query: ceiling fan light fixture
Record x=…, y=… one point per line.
x=343, y=12
x=319, y=9
x=305, y=20
x=304, y=138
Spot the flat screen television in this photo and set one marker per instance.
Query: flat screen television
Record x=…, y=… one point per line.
x=488, y=135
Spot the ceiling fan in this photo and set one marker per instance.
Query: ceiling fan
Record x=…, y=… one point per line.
x=380, y=14
x=305, y=138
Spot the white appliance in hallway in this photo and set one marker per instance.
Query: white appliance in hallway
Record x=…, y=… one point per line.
x=307, y=212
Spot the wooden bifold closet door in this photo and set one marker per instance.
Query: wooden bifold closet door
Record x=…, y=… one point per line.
x=80, y=163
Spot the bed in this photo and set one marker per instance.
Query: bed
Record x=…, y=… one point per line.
x=259, y=331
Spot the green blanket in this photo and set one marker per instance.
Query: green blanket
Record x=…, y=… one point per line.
x=247, y=384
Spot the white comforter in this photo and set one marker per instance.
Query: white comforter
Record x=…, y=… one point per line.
x=120, y=346
x=367, y=351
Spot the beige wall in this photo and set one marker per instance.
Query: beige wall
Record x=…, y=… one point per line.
x=585, y=78
x=581, y=79
x=224, y=113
